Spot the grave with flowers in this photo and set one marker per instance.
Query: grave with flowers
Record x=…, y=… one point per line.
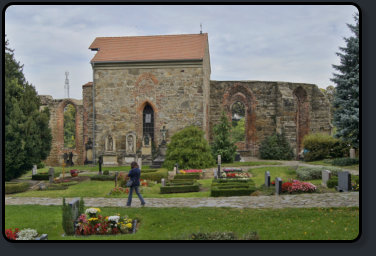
x=24, y=234
x=184, y=182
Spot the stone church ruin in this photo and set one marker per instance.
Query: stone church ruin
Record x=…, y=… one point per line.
x=146, y=88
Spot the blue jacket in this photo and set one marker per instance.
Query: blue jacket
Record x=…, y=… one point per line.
x=134, y=175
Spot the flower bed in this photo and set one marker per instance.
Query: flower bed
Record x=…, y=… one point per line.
x=24, y=234
x=297, y=186
x=92, y=223
x=74, y=172
x=190, y=171
x=232, y=170
x=241, y=175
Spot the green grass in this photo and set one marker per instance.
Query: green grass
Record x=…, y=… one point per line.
x=179, y=223
x=325, y=163
x=284, y=172
x=256, y=163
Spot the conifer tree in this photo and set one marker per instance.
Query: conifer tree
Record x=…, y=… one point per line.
x=346, y=96
x=27, y=135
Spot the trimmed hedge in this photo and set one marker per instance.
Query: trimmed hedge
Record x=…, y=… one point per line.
x=102, y=177
x=225, y=187
x=314, y=173
x=187, y=176
x=345, y=161
x=43, y=176
x=180, y=188
x=180, y=182
x=148, y=170
x=332, y=182
x=16, y=187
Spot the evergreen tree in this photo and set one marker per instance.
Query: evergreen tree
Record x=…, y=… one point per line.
x=27, y=135
x=346, y=96
x=222, y=144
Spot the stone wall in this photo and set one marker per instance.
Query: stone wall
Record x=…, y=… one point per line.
x=56, y=123
x=294, y=108
x=175, y=91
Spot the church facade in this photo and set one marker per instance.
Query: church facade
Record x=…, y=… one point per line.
x=146, y=88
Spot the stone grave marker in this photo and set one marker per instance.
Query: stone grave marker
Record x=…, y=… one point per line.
x=344, y=181
x=175, y=170
x=163, y=182
x=267, y=179
x=278, y=186
x=139, y=162
x=74, y=206
x=34, y=169
x=325, y=175
x=352, y=153
x=219, y=159
x=51, y=175
x=215, y=174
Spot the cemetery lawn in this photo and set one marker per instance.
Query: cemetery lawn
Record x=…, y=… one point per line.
x=180, y=223
x=283, y=172
x=324, y=163
x=256, y=163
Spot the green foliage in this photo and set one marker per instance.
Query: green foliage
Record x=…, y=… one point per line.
x=238, y=130
x=40, y=165
x=81, y=207
x=67, y=220
x=16, y=187
x=102, y=177
x=321, y=146
x=187, y=176
x=345, y=161
x=276, y=147
x=180, y=182
x=189, y=149
x=69, y=126
x=154, y=176
x=106, y=172
x=180, y=188
x=222, y=144
x=228, y=187
x=149, y=170
x=27, y=134
x=332, y=182
x=43, y=176
x=346, y=96
x=57, y=187
x=314, y=173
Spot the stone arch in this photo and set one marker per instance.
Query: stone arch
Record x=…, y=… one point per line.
x=302, y=119
x=60, y=115
x=241, y=93
x=139, y=126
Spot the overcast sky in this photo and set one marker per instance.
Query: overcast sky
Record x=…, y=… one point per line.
x=293, y=43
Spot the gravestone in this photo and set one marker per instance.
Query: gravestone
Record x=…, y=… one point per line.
x=116, y=178
x=219, y=159
x=175, y=170
x=278, y=186
x=352, y=153
x=34, y=169
x=267, y=179
x=163, y=182
x=237, y=157
x=74, y=206
x=325, y=175
x=344, y=181
x=215, y=174
x=100, y=162
x=139, y=162
x=51, y=175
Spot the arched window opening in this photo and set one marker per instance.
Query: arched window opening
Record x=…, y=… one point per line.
x=69, y=126
x=238, y=121
x=148, y=122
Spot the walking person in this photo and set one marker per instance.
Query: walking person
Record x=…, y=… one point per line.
x=134, y=175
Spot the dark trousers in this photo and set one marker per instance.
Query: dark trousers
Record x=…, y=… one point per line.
x=138, y=194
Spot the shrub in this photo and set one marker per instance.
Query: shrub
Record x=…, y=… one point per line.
x=180, y=182
x=321, y=146
x=188, y=176
x=180, y=188
x=81, y=207
x=314, y=173
x=106, y=172
x=189, y=149
x=102, y=177
x=345, y=161
x=225, y=187
x=332, y=182
x=222, y=144
x=16, y=187
x=276, y=147
x=43, y=176
x=154, y=176
x=40, y=165
x=67, y=220
x=148, y=170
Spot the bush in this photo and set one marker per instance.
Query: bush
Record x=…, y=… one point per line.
x=67, y=219
x=225, y=187
x=314, y=173
x=102, y=177
x=189, y=149
x=180, y=182
x=16, y=187
x=148, y=170
x=321, y=146
x=222, y=144
x=332, y=182
x=188, y=176
x=276, y=147
x=180, y=188
x=40, y=165
x=106, y=172
x=345, y=161
x=43, y=176
x=154, y=176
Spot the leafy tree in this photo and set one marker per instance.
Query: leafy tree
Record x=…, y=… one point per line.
x=27, y=135
x=189, y=149
x=276, y=147
x=238, y=130
x=346, y=96
x=222, y=144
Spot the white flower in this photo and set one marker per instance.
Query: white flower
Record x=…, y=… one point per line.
x=114, y=219
x=27, y=234
x=91, y=211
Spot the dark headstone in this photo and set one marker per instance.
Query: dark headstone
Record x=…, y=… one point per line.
x=74, y=206
x=71, y=159
x=344, y=181
x=219, y=171
x=278, y=186
x=237, y=157
x=65, y=156
x=267, y=179
x=100, y=162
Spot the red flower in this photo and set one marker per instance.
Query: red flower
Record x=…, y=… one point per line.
x=10, y=234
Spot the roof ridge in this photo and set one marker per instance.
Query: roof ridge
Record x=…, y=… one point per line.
x=152, y=35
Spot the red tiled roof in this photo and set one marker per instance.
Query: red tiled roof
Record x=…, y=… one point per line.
x=150, y=48
x=88, y=84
